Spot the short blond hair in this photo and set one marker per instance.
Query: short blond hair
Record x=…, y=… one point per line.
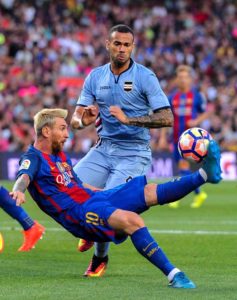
x=47, y=116
x=184, y=68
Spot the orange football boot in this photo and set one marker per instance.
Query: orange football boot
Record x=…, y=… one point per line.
x=31, y=237
x=97, y=266
x=84, y=245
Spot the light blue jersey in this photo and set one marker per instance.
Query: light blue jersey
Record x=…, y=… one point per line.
x=136, y=91
x=123, y=152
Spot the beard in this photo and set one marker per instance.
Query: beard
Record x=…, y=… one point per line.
x=56, y=147
x=119, y=64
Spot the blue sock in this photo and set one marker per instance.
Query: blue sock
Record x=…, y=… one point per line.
x=148, y=247
x=178, y=188
x=16, y=212
x=188, y=172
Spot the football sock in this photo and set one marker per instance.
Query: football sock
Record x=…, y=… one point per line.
x=188, y=172
x=148, y=247
x=101, y=249
x=178, y=188
x=16, y=212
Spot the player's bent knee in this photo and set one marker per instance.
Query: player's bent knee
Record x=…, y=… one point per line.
x=126, y=221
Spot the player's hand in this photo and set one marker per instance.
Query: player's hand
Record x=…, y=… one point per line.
x=89, y=114
x=19, y=197
x=117, y=112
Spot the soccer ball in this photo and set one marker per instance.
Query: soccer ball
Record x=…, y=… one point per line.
x=193, y=144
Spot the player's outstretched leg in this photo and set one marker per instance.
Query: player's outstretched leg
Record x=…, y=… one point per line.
x=178, y=188
x=149, y=248
x=211, y=164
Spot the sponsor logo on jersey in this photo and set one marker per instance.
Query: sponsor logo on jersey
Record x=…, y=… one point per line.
x=127, y=86
x=65, y=177
x=25, y=164
x=105, y=87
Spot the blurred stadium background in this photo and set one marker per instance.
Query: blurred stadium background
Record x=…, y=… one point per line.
x=48, y=47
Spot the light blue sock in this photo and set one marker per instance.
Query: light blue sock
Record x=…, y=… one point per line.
x=16, y=212
x=148, y=247
x=178, y=188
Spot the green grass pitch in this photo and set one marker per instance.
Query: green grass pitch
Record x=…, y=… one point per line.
x=202, y=242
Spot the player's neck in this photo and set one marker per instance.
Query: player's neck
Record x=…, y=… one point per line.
x=43, y=147
x=184, y=90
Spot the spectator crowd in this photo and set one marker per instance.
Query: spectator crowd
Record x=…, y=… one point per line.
x=48, y=47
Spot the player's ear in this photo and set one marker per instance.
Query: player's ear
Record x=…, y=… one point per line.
x=107, y=45
x=45, y=131
x=133, y=47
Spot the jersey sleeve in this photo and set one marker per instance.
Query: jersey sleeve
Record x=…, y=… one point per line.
x=152, y=89
x=28, y=165
x=87, y=97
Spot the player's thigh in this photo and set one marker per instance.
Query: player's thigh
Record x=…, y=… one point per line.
x=95, y=216
x=93, y=168
x=125, y=221
x=126, y=168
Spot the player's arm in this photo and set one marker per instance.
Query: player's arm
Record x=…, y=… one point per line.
x=19, y=188
x=201, y=117
x=86, y=185
x=91, y=187
x=203, y=112
x=85, y=112
x=162, y=117
x=163, y=140
x=84, y=116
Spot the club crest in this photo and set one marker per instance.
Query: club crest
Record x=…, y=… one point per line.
x=127, y=86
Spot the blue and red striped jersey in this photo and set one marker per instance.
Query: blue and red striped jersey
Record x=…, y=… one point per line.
x=185, y=107
x=54, y=185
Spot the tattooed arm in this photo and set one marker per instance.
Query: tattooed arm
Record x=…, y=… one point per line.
x=159, y=119
x=19, y=188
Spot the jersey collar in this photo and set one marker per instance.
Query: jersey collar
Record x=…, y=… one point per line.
x=116, y=77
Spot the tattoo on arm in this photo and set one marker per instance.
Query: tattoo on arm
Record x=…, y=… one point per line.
x=22, y=183
x=162, y=118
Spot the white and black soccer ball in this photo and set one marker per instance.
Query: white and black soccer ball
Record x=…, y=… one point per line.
x=193, y=144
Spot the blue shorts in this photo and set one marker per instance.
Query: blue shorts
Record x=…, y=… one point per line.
x=90, y=220
x=110, y=164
